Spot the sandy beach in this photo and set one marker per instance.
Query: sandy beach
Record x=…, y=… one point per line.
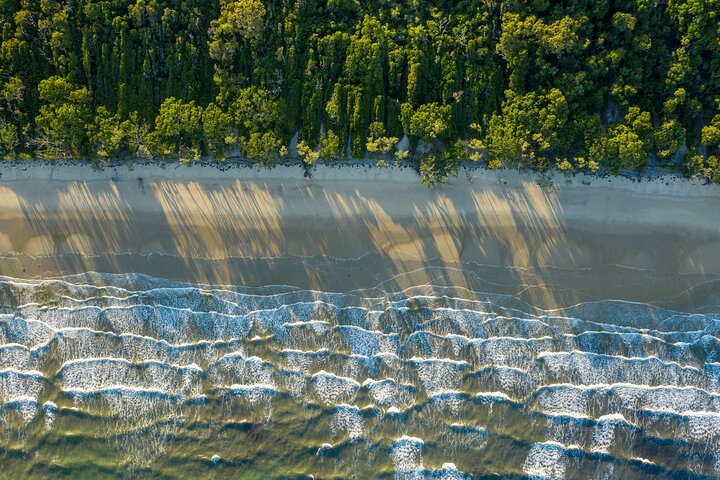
x=356, y=322
x=357, y=227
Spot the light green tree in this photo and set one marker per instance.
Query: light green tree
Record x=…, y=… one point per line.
x=377, y=142
x=328, y=150
x=111, y=137
x=430, y=121
x=625, y=146
x=253, y=110
x=9, y=140
x=178, y=130
x=710, y=136
x=239, y=21
x=219, y=132
x=62, y=122
x=264, y=149
x=530, y=130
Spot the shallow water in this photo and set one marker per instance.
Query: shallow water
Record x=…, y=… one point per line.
x=133, y=376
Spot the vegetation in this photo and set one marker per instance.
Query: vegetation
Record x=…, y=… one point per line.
x=566, y=85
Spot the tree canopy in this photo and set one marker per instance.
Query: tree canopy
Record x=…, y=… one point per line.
x=622, y=85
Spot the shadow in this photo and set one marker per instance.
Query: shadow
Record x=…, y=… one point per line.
x=552, y=248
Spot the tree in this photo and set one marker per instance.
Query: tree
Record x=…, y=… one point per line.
x=328, y=149
x=8, y=140
x=430, y=121
x=669, y=138
x=253, y=110
x=218, y=131
x=530, y=130
x=377, y=142
x=307, y=154
x=625, y=146
x=436, y=167
x=233, y=39
x=63, y=118
x=534, y=50
x=264, y=149
x=178, y=130
x=711, y=133
x=11, y=95
x=111, y=137
x=529, y=84
x=707, y=168
x=620, y=149
x=240, y=20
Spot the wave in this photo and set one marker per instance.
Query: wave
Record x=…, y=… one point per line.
x=432, y=377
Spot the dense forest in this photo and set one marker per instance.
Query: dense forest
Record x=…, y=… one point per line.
x=542, y=84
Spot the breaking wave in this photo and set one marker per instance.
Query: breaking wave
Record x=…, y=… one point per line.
x=410, y=384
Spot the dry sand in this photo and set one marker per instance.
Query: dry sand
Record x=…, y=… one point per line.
x=354, y=227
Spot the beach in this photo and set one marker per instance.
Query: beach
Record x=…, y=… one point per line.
x=356, y=324
x=586, y=236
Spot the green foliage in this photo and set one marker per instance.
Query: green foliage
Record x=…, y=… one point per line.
x=707, y=168
x=626, y=146
x=531, y=129
x=178, y=130
x=620, y=149
x=586, y=164
x=330, y=147
x=475, y=148
x=669, y=138
x=239, y=20
x=253, y=110
x=639, y=122
x=264, y=149
x=111, y=137
x=711, y=133
x=308, y=155
x=8, y=140
x=218, y=130
x=11, y=96
x=233, y=38
x=530, y=84
x=430, y=121
x=436, y=167
x=533, y=48
x=63, y=118
x=377, y=142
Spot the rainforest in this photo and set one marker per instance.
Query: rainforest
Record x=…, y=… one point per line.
x=572, y=85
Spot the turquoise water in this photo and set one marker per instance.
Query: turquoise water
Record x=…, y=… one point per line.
x=137, y=377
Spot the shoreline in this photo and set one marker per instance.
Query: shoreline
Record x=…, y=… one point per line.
x=129, y=165
x=353, y=227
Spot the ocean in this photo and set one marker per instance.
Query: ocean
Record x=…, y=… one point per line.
x=132, y=376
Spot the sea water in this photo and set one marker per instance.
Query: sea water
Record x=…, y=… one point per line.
x=137, y=377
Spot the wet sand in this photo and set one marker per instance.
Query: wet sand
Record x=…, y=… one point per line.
x=356, y=228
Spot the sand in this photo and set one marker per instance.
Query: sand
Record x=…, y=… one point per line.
x=357, y=227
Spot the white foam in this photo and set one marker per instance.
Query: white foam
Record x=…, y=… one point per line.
x=142, y=354
x=348, y=420
x=494, y=396
x=439, y=374
x=389, y=392
x=50, y=410
x=406, y=454
x=333, y=389
x=546, y=460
